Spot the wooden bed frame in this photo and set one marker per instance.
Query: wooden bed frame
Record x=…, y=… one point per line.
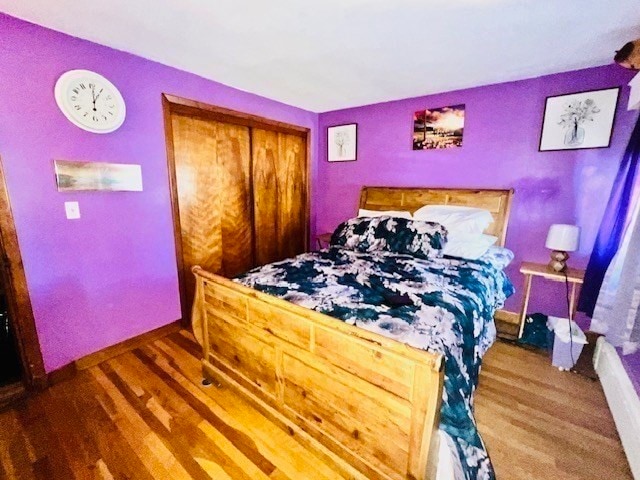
x=368, y=404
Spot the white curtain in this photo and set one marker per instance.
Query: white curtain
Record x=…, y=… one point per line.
x=617, y=315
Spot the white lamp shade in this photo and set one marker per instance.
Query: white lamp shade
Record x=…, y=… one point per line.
x=565, y=238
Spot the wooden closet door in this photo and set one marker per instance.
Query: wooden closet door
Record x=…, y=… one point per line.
x=279, y=194
x=213, y=168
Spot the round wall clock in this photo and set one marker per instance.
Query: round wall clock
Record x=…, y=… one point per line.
x=90, y=101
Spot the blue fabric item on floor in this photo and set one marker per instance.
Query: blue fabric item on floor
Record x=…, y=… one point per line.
x=536, y=332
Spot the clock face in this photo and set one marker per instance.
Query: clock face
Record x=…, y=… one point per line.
x=90, y=101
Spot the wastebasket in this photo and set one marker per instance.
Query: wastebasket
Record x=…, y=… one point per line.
x=567, y=342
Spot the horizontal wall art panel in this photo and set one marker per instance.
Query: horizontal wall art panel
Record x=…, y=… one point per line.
x=96, y=176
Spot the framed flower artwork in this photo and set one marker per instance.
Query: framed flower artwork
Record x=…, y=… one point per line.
x=579, y=120
x=342, y=143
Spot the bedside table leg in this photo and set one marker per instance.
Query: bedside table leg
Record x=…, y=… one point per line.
x=525, y=303
x=572, y=301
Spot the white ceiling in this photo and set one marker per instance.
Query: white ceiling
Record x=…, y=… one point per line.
x=332, y=54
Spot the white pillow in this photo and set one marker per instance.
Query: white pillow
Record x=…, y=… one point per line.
x=384, y=213
x=456, y=219
x=468, y=246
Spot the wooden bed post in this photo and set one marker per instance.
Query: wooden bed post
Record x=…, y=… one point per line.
x=198, y=316
x=427, y=400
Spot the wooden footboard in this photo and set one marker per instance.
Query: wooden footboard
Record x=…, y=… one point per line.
x=368, y=403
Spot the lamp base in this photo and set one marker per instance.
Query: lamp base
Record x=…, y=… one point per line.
x=558, y=262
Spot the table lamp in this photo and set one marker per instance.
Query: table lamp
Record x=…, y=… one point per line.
x=562, y=239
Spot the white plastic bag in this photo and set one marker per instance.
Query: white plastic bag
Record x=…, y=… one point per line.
x=561, y=328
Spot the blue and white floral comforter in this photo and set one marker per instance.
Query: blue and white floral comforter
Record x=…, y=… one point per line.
x=443, y=305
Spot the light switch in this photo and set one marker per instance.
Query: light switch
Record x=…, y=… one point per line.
x=72, y=210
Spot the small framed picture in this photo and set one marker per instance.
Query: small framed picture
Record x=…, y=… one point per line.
x=579, y=120
x=436, y=128
x=342, y=143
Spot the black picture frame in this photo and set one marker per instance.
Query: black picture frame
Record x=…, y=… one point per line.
x=581, y=92
x=355, y=143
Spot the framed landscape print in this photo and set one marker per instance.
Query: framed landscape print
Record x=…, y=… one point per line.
x=342, y=142
x=97, y=176
x=579, y=120
x=438, y=128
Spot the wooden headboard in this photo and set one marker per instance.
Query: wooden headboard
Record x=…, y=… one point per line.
x=498, y=202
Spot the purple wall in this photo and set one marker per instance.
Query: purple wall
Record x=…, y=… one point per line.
x=112, y=274
x=500, y=150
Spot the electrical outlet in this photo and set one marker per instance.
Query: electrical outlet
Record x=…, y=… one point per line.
x=72, y=209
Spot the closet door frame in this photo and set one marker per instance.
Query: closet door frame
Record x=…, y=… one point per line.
x=172, y=104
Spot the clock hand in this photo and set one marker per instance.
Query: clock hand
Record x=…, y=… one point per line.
x=93, y=96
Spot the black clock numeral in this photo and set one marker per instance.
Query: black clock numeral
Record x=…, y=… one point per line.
x=92, y=103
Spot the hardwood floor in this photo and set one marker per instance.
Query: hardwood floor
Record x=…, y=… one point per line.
x=144, y=415
x=540, y=423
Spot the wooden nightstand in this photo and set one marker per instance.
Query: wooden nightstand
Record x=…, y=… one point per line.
x=323, y=240
x=531, y=269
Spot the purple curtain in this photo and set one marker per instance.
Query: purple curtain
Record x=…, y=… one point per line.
x=613, y=225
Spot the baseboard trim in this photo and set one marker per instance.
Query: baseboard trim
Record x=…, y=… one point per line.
x=10, y=394
x=61, y=374
x=623, y=400
x=70, y=370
